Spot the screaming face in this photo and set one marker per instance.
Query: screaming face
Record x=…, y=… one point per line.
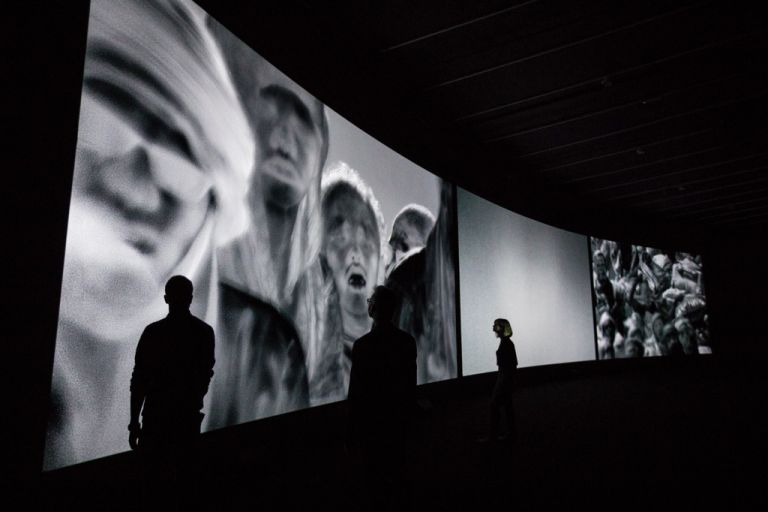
x=351, y=248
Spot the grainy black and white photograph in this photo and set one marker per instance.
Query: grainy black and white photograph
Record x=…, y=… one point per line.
x=648, y=302
x=197, y=157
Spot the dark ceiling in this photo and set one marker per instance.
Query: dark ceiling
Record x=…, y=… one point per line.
x=628, y=111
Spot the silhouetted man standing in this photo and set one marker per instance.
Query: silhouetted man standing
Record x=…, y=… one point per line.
x=174, y=365
x=381, y=392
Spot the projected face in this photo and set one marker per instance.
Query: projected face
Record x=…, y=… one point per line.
x=139, y=196
x=406, y=237
x=600, y=266
x=658, y=327
x=140, y=182
x=351, y=248
x=290, y=137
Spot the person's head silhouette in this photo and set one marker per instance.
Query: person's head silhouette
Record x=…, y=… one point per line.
x=382, y=305
x=502, y=328
x=178, y=293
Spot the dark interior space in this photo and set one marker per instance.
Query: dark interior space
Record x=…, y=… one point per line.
x=639, y=122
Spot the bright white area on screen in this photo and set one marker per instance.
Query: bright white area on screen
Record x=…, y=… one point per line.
x=532, y=274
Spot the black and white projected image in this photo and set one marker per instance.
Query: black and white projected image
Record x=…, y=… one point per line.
x=648, y=302
x=532, y=274
x=197, y=157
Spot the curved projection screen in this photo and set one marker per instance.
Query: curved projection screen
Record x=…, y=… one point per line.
x=525, y=271
x=648, y=302
x=197, y=157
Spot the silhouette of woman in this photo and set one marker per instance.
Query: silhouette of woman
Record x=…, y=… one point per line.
x=501, y=399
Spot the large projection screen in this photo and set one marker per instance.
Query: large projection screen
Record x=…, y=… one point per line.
x=197, y=157
x=648, y=302
x=530, y=273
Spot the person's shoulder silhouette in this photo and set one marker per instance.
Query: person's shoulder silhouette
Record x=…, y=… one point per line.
x=381, y=392
x=172, y=371
x=384, y=360
x=173, y=368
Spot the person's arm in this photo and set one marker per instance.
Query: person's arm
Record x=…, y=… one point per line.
x=414, y=365
x=633, y=303
x=207, y=362
x=138, y=390
x=514, y=356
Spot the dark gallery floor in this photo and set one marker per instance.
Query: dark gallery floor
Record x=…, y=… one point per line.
x=690, y=432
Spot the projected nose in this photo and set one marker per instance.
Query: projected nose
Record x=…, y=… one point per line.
x=129, y=180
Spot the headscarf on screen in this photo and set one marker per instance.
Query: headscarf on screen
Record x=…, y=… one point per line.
x=246, y=263
x=161, y=52
x=160, y=55
x=331, y=381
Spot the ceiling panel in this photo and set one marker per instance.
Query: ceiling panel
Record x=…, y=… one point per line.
x=612, y=108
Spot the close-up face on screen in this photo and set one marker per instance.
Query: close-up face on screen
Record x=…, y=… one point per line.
x=534, y=275
x=648, y=302
x=197, y=157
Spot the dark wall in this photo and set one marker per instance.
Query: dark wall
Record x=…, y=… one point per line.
x=45, y=48
x=737, y=283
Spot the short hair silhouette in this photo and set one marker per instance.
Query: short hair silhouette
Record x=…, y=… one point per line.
x=386, y=301
x=178, y=290
x=507, y=328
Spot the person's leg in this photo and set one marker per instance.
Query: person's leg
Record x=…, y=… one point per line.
x=510, y=431
x=158, y=473
x=495, y=419
x=187, y=467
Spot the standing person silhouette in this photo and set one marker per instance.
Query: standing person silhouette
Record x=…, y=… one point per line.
x=174, y=366
x=501, y=399
x=382, y=385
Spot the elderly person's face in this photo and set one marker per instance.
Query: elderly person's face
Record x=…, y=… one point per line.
x=164, y=154
x=137, y=189
x=139, y=195
x=290, y=138
x=405, y=237
x=351, y=248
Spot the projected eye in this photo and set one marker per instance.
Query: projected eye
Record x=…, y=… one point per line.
x=152, y=127
x=369, y=246
x=337, y=237
x=281, y=101
x=159, y=132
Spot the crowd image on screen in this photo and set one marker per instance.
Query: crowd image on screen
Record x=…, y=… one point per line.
x=648, y=302
x=195, y=156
